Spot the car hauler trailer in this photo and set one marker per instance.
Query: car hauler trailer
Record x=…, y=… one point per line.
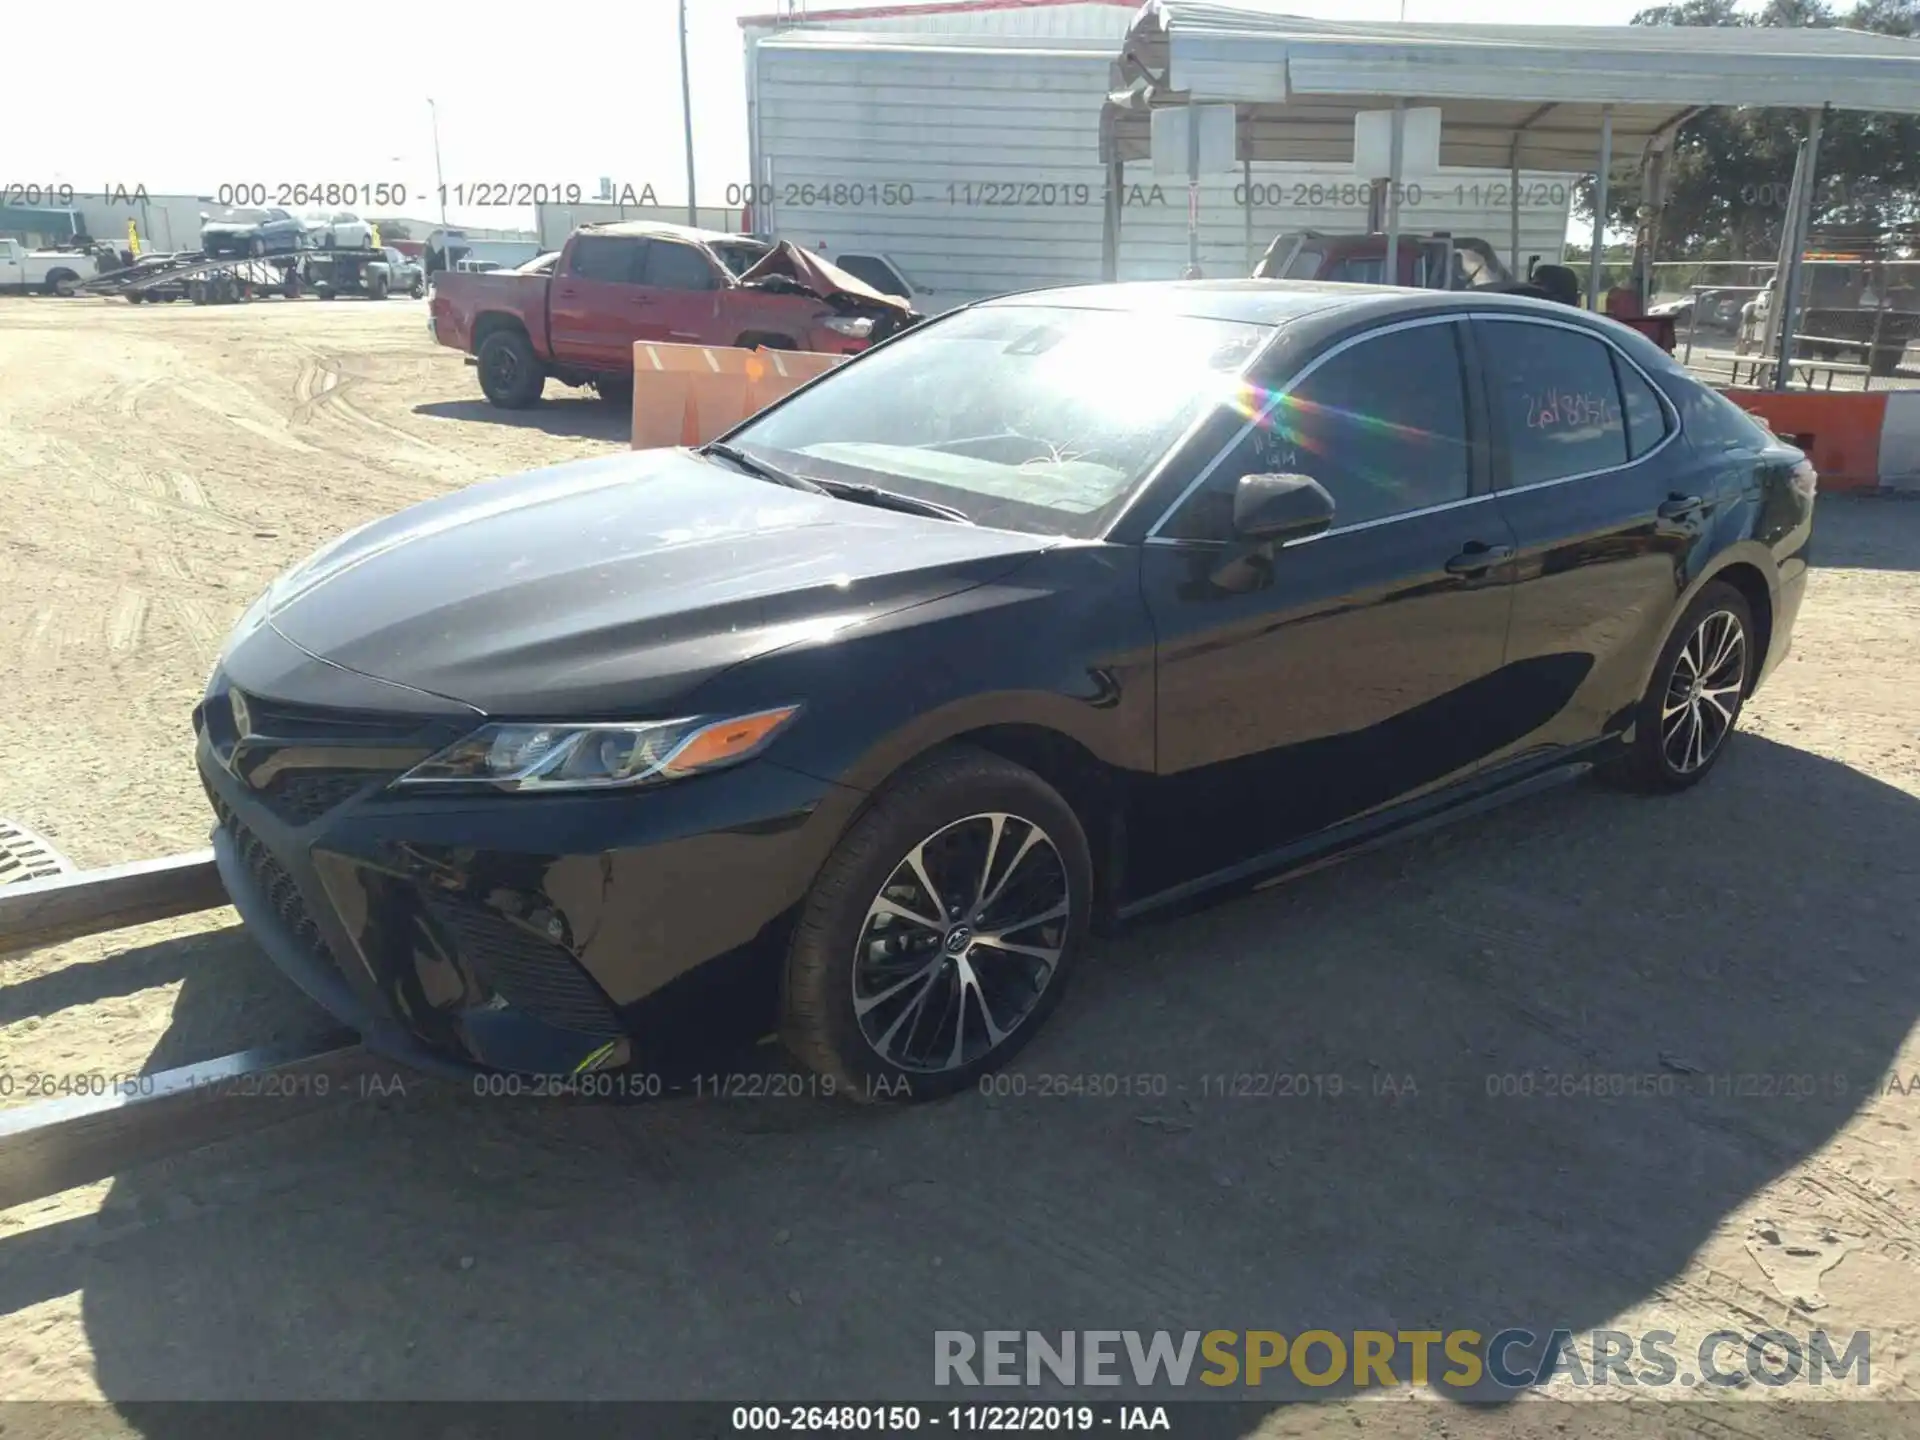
x=958, y=146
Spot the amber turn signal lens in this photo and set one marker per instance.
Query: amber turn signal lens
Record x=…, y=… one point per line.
x=725, y=741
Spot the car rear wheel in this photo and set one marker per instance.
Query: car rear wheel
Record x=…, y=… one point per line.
x=940, y=933
x=61, y=282
x=510, y=373
x=1693, y=701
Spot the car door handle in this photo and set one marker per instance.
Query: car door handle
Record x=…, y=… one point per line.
x=1680, y=507
x=1476, y=558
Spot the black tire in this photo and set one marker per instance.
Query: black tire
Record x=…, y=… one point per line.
x=1649, y=764
x=417, y=289
x=944, y=798
x=134, y=297
x=61, y=281
x=510, y=373
x=376, y=287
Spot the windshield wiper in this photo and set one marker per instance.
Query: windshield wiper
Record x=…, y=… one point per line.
x=890, y=500
x=839, y=489
x=760, y=467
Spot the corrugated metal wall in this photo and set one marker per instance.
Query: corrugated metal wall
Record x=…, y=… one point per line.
x=1086, y=20
x=974, y=165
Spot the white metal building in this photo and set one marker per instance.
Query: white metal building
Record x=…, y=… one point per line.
x=962, y=141
x=165, y=222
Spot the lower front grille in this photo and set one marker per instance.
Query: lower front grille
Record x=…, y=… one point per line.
x=302, y=796
x=277, y=888
x=526, y=971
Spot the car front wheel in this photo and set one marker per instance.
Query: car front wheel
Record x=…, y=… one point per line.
x=1695, y=696
x=941, y=931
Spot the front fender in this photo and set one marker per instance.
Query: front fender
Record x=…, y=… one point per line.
x=1062, y=643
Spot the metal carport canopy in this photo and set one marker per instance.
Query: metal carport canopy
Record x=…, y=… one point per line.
x=1509, y=94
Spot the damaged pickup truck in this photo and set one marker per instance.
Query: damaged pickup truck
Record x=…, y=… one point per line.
x=576, y=320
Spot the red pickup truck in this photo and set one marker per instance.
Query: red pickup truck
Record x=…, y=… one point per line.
x=576, y=318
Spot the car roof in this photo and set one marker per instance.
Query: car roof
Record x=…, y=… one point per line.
x=665, y=230
x=1280, y=302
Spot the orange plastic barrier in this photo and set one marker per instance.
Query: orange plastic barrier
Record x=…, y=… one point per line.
x=690, y=394
x=1840, y=432
x=774, y=373
x=686, y=394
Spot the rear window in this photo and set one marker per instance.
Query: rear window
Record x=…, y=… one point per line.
x=1711, y=422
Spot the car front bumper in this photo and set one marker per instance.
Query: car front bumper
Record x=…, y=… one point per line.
x=533, y=934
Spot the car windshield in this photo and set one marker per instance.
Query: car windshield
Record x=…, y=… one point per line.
x=1024, y=417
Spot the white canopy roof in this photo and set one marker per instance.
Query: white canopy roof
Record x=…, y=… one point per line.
x=1299, y=82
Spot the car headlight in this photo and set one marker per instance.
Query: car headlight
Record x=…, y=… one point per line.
x=558, y=756
x=857, y=326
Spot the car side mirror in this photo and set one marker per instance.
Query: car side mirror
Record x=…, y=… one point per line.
x=1280, y=507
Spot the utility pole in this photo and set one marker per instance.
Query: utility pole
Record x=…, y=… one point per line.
x=686, y=112
x=440, y=183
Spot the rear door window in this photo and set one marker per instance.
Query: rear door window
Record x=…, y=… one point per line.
x=1555, y=398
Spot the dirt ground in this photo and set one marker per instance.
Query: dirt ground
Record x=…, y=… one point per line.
x=158, y=466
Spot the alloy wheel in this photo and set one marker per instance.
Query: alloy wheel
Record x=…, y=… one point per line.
x=1703, y=692
x=961, y=942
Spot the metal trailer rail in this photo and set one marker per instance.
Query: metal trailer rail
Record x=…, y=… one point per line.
x=72, y=1139
x=226, y=276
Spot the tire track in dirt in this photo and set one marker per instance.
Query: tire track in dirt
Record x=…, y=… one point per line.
x=205, y=627
x=320, y=392
x=127, y=622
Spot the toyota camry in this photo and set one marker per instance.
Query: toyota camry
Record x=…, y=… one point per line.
x=1050, y=613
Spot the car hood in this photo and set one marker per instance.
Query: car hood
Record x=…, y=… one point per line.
x=614, y=585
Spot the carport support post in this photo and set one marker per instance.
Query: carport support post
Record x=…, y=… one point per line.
x=1600, y=207
x=1390, y=270
x=1110, y=222
x=1193, y=187
x=1796, y=241
x=1246, y=208
x=1513, y=208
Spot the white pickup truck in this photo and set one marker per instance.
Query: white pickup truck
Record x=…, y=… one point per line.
x=54, y=271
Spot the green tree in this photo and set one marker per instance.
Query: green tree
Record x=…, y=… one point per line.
x=1731, y=169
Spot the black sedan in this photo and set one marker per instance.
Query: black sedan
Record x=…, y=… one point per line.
x=1050, y=613
x=271, y=231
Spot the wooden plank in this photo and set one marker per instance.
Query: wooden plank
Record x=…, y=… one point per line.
x=52, y=1145
x=34, y=913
